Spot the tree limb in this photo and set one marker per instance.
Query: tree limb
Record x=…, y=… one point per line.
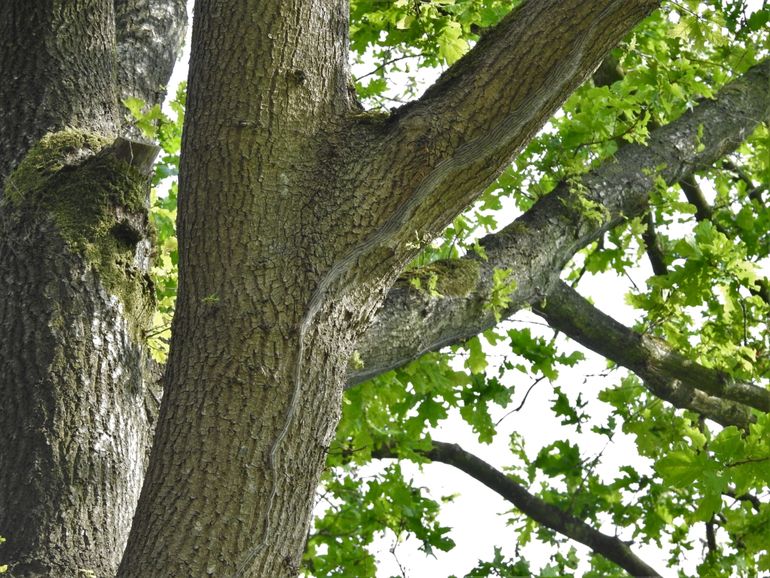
x=149, y=39
x=668, y=374
x=537, y=245
x=543, y=513
x=652, y=247
x=695, y=197
x=754, y=191
x=451, y=143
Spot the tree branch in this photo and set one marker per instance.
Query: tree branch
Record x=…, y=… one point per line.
x=543, y=513
x=695, y=197
x=449, y=145
x=536, y=246
x=149, y=37
x=754, y=191
x=668, y=374
x=652, y=247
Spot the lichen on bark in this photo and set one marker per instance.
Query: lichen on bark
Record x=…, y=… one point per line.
x=98, y=203
x=448, y=277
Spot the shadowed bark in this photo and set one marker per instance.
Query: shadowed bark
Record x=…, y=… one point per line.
x=149, y=40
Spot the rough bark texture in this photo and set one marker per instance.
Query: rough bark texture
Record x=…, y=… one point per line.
x=445, y=148
x=244, y=424
x=58, y=59
x=78, y=397
x=74, y=423
x=149, y=39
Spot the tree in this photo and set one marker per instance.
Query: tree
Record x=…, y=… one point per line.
x=305, y=263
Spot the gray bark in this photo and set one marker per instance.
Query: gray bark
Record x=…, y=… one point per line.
x=77, y=387
x=74, y=422
x=149, y=40
x=58, y=58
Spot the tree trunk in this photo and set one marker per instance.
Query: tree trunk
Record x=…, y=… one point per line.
x=73, y=264
x=75, y=298
x=254, y=376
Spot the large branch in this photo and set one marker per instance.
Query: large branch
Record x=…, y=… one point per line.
x=536, y=246
x=668, y=374
x=548, y=515
x=149, y=40
x=445, y=148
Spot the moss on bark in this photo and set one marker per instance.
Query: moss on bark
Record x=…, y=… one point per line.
x=449, y=278
x=99, y=206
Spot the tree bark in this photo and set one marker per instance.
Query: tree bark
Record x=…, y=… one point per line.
x=537, y=245
x=149, y=40
x=75, y=298
x=253, y=380
x=297, y=213
x=668, y=374
x=58, y=60
x=74, y=421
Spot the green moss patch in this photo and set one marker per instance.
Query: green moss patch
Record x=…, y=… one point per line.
x=98, y=205
x=450, y=278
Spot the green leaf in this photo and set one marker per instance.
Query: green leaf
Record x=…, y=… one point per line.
x=477, y=359
x=452, y=46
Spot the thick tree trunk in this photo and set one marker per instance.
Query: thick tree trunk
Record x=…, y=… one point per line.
x=58, y=59
x=75, y=299
x=77, y=405
x=254, y=377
